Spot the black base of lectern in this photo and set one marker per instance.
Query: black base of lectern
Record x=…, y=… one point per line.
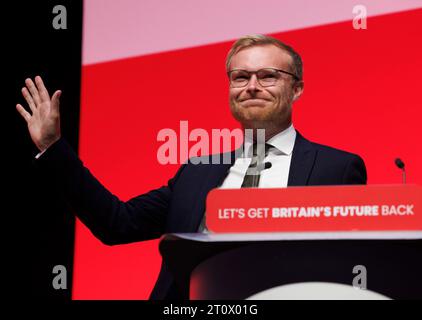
x=231, y=267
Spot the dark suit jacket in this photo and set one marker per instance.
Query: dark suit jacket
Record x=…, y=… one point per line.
x=179, y=206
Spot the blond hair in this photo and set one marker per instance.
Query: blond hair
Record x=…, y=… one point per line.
x=260, y=39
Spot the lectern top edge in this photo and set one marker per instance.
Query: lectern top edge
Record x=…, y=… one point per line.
x=291, y=236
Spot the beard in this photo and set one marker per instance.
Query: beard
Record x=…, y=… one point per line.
x=268, y=115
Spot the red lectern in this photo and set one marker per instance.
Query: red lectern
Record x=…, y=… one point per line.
x=303, y=242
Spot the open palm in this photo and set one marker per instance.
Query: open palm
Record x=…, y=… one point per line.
x=44, y=122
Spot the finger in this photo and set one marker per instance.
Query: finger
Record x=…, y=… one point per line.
x=42, y=89
x=29, y=99
x=33, y=90
x=25, y=114
x=55, y=101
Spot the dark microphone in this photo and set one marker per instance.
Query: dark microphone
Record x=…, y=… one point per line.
x=263, y=166
x=400, y=164
x=267, y=165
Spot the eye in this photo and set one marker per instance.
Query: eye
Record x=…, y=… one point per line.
x=240, y=76
x=267, y=75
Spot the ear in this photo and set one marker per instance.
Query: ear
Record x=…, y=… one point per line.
x=298, y=89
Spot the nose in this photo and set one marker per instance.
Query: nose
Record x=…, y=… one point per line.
x=253, y=84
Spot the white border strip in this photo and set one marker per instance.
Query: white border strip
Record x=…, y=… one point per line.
x=115, y=30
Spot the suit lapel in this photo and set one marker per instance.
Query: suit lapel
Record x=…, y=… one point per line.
x=303, y=159
x=216, y=173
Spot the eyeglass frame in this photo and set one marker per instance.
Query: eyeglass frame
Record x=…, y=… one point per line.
x=250, y=73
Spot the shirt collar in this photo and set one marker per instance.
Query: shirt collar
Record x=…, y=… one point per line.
x=283, y=141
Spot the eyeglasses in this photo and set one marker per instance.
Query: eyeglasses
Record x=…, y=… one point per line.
x=266, y=77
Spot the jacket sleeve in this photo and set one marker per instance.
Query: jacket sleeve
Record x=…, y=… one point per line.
x=355, y=171
x=111, y=220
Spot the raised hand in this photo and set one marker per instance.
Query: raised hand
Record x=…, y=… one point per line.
x=44, y=122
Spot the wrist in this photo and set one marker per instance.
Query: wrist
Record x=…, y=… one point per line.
x=44, y=146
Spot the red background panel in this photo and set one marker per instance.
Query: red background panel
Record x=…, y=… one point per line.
x=362, y=94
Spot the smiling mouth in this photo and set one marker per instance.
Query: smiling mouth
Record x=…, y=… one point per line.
x=253, y=102
x=253, y=99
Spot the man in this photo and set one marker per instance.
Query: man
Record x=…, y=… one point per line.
x=265, y=79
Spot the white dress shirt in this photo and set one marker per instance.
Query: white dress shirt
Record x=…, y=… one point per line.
x=280, y=157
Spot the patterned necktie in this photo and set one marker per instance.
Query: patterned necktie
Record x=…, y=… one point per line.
x=253, y=173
